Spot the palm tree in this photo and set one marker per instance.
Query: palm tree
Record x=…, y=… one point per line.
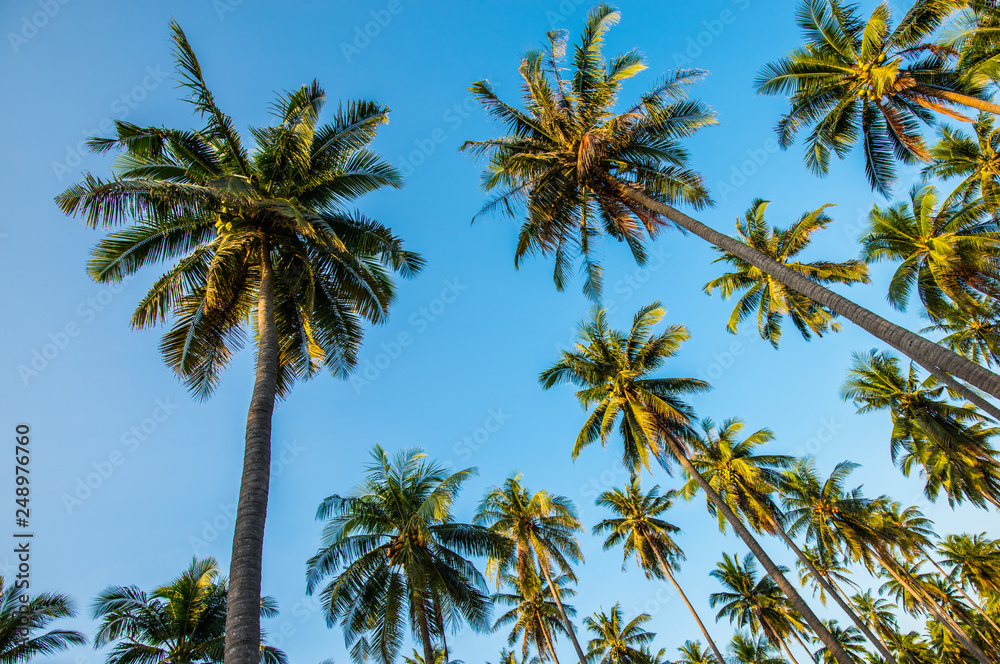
x=856, y=79
x=262, y=243
x=950, y=442
x=638, y=527
x=396, y=555
x=972, y=330
x=540, y=529
x=878, y=613
x=22, y=617
x=534, y=618
x=755, y=604
x=768, y=296
x=746, y=650
x=183, y=622
x=850, y=638
x=975, y=159
x=746, y=481
x=615, y=641
x=692, y=653
x=440, y=657
x=612, y=370
x=578, y=170
x=975, y=561
x=510, y=657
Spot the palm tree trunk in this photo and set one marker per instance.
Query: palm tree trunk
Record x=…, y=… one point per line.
x=835, y=594
x=968, y=394
x=562, y=612
x=666, y=570
x=788, y=651
x=910, y=344
x=548, y=642
x=242, y=641
x=930, y=605
x=440, y=626
x=772, y=570
x=958, y=98
x=802, y=644
x=961, y=590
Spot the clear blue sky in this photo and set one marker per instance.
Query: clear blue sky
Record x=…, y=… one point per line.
x=473, y=357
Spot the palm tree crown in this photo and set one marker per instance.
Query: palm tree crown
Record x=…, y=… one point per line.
x=22, y=618
x=615, y=641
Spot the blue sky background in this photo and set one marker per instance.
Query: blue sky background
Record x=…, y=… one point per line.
x=478, y=356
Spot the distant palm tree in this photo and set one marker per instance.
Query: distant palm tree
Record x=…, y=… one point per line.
x=638, y=527
x=866, y=80
x=183, y=622
x=22, y=617
x=691, y=653
x=510, y=657
x=262, y=244
x=747, y=650
x=534, y=618
x=615, y=641
x=850, y=638
x=613, y=371
x=757, y=604
x=975, y=158
x=768, y=296
x=541, y=531
x=397, y=557
x=975, y=561
x=878, y=613
x=440, y=657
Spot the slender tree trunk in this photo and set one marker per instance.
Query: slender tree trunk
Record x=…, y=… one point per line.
x=930, y=605
x=772, y=570
x=910, y=344
x=961, y=590
x=548, y=641
x=788, y=651
x=242, y=641
x=802, y=644
x=835, y=594
x=562, y=612
x=440, y=626
x=423, y=625
x=967, y=393
x=958, y=98
x=666, y=570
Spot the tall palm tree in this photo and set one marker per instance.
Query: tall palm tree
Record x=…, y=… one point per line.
x=260, y=243
x=877, y=612
x=578, y=170
x=510, y=657
x=22, y=619
x=747, y=650
x=768, y=296
x=615, y=641
x=976, y=159
x=613, y=371
x=975, y=561
x=950, y=442
x=440, y=657
x=972, y=330
x=397, y=557
x=638, y=528
x=541, y=531
x=747, y=482
x=183, y=622
x=757, y=604
x=850, y=638
x=857, y=79
x=534, y=617
x=692, y=653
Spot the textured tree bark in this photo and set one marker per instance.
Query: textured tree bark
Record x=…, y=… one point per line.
x=242, y=640
x=666, y=571
x=791, y=593
x=562, y=612
x=910, y=344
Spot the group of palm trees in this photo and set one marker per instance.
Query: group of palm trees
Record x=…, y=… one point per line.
x=264, y=246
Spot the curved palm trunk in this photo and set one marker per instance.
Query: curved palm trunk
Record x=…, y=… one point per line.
x=910, y=344
x=562, y=612
x=931, y=606
x=958, y=98
x=772, y=570
x=968, y=394
x=961, y=590
x=666, y=571
x=835, y=594
x=242, y=641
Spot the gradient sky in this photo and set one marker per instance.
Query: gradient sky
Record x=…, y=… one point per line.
x=480, y=331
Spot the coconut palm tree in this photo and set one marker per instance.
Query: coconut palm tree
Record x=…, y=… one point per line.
x=398, y=557
x=182, y=622
x=878, y=613
x=747, y=482
x=973, y=34
x=692, y=653
x=22, y=619
x=615, y=641
x=756, y=604
x=510, y=657
x=540, y=529
x=440, y=657
x=949, y=442
x=613, y=371
x=946, y=252
x=534, y=618
x=578, y=170
x=747, y=650
x=768, y=296
x=975, y=562
x=638, y=528
x=260, y=243
x=850, y=638
x=857, y=79
x=972, y=330
x=975, y=159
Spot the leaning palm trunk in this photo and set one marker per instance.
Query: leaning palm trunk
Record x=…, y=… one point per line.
x=242, y=642
x=788, y=651
x=910, y=344
x=548, y=642
x=562, y=613
x=666, y=571
x=834, y=593
x=818, y=628
x=967, y=393
x=902, y=577
x=964, y=594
